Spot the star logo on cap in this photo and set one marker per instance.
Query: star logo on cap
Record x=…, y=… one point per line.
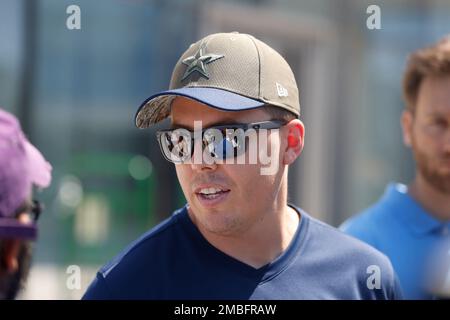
x=198, y=62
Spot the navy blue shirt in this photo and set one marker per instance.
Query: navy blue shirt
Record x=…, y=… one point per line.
x=175, y=261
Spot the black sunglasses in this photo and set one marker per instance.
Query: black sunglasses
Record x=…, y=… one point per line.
x=223, y=141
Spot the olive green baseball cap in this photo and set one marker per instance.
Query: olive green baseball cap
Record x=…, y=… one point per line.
x=226, y=71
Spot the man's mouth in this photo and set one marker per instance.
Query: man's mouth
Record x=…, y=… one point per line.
x=211, y=195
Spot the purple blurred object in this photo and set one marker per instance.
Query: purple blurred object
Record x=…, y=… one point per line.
x=21, y=167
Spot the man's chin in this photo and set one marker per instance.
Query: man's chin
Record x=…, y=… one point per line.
x=218, y=224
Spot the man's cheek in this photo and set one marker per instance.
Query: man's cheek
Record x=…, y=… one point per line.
x=184, y=183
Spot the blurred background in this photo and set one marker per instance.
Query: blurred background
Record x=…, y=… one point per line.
x=76, y=93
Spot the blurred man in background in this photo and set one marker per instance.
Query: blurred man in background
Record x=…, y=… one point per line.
x=409, y=222
x=21, y=167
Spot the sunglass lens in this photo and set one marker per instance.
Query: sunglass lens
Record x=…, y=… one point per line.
x=175, y=146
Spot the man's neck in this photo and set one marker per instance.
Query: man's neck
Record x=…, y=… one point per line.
x=263, y=242
x=435, y=202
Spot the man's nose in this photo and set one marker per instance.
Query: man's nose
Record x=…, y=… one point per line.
x=198, y=161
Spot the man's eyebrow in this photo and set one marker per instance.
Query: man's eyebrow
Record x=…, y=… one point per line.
x=174, y=125
x=436, y=113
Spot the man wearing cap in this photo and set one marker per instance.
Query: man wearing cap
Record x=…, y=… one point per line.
x=234, y=130
x=409, y=223
x=21, y=167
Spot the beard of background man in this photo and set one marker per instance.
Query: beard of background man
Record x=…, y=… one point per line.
x=440, y=181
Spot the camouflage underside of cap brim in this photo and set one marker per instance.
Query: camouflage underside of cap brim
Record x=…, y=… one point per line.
x=153, y=111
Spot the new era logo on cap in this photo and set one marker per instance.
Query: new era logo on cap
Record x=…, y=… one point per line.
x=227, y=71
x=282, y=91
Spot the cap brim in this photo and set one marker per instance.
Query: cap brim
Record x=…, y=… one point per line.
x=157, y=107
x=13, y=228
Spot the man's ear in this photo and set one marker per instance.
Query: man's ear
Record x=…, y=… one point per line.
x=406, y=121
x=295, y=141
x=10, y=252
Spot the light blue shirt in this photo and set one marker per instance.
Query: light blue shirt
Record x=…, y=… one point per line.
x=400, y=227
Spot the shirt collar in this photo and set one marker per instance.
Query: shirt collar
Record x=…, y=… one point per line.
x=410, y=211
